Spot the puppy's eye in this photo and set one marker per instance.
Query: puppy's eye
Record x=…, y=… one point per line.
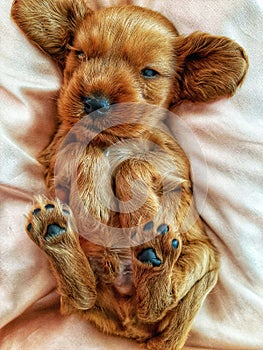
x=149, y=73
x=80, y=54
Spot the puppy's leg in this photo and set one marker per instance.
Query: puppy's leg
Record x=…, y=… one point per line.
x=170, y=261
x=168, y=266
x=173, y=330
x=50, y=225
x=57, y=181
x=153, y=264
x=153, y=258
x=167, y=261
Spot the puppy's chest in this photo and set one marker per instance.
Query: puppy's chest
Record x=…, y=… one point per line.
x=109, y=184
x=96, y=178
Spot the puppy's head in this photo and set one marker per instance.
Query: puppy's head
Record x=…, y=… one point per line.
x=117, y=56
x=127, y=54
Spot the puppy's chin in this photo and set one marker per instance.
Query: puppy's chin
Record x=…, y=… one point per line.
x=90, y=132
x=121, y=121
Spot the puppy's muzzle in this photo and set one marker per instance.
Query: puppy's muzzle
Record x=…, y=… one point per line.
x=98, y=103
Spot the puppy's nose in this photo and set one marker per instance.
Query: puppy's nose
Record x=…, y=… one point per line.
x=101, y=104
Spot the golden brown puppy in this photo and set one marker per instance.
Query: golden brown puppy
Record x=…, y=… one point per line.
x=135, y=261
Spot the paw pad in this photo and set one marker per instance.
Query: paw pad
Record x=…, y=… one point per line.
x=49, y=206
x=148, y=226
x=163, y=229
x=149, y=256
x=54, y=230
x=36, y=211
x=175, y=243
x=65, y=211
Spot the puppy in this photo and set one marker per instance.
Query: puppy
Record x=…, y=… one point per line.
x=127, y=248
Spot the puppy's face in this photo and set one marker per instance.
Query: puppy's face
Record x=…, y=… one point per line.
x=118, y=55
x=127, y=54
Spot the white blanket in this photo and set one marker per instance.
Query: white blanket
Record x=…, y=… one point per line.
x=228, y=187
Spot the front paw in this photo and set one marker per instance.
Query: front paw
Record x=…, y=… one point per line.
x=49, y=222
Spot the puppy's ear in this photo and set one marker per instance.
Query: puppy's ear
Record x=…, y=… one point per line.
x=209, y=67
x=50, y=24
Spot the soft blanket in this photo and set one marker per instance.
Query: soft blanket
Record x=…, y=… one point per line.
x=227, y=168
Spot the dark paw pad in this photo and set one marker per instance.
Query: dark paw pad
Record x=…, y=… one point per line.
x=175, y=243
x=149, y=256
x=148, y=226
x=163, y=229
x=49, y=206
x=36, y=211
x=54, y=230
x=66, y=212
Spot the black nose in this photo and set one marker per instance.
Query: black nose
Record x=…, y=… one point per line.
x=101, y=104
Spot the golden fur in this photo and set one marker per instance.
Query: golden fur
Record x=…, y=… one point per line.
x=106, y=278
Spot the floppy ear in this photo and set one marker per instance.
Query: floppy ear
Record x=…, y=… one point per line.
x=50, y=24
x=209, y=67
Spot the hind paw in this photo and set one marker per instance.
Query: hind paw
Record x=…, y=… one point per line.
x=166, y=245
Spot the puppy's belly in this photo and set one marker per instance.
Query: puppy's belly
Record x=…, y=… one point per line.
x=123, y=283
x=112, y=267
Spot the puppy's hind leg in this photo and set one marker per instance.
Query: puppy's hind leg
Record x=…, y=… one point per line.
x=155, y=242
x=168, y=266
x=50, y=225
x=174, y=328
x=153, y=267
